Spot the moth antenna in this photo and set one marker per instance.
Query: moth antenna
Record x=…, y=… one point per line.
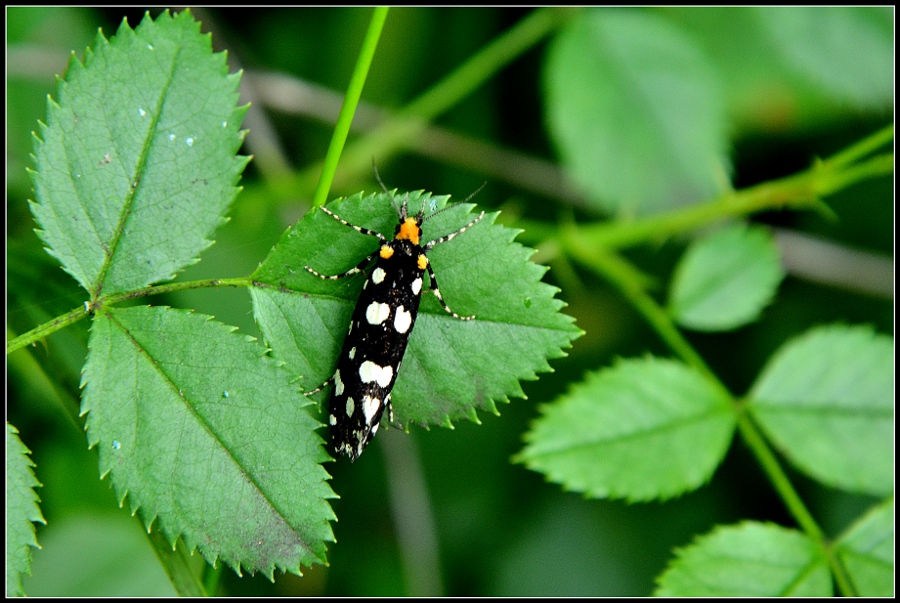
x=401, y=210
x=477, y=190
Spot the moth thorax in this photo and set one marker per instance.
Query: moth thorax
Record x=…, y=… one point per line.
x=409, y=230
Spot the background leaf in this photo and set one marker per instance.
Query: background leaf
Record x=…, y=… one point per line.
x=206, y=436
x=635, y=111
x=826, y=399
x=136, y=165
x=641, y=430
x=748, y=560
x=113, y=559
x=847, y=50
x=451, y=367
x=22, y=511
x=725, y=279
x=867, y=551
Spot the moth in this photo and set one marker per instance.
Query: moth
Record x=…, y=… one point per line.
x=382, y=322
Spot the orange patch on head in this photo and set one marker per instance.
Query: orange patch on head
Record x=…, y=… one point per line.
x=386, y=252
x=410, y=231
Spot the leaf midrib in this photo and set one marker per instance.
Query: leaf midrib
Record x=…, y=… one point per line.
x=135, y=179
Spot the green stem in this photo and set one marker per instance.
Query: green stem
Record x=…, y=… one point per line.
x=485, y=63
x=399, y=131
x=792, y=500
x=177, y=566
x=351, y=100
x=76, y=314
x=42, y=331
x=798, y=191
x=631, y=284
x=862, y=148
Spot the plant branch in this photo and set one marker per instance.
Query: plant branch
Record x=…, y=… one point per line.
x=798, y=191
x=76, y=314
x=792, y=500
x=630, y=283
x=176, y=565
x=351, y=100
x=396, y=133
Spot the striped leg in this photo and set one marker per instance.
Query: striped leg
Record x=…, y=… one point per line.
x=365, y=231
x=320, y=388
x=446, y=238
x=358, y=268
x=437, y=294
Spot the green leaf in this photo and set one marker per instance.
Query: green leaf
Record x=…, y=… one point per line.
x=748, y=560
x=635, y=111
x=21, y=512
x=847, y=51
x=207, y=436
x=725, y=279
x=642, y=430
x=451, y=367
x=766, y=89
x=867, y=551
x=826, y=399
x=136, y=165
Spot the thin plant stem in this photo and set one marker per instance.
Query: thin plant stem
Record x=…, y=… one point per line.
x=409, y=122
x=351, y=100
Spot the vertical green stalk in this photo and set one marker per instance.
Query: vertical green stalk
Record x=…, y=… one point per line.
x=351, y=100
x=405, y=125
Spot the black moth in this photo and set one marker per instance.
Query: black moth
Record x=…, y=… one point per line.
x=380, y=328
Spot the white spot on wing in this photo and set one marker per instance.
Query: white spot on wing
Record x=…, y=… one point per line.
x=402, y=320
x=377, y=313
x=416, y=286
x=338, y=384
x=370, y=407
x=332, y=419
x=378, y=276
x=350, y=407
x=369, y=372
x=352, y=353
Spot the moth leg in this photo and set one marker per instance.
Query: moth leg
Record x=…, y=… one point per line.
x=358, y=268
x=437, y=294
x=365, y=231
x=320, y=388
x=446, y=238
